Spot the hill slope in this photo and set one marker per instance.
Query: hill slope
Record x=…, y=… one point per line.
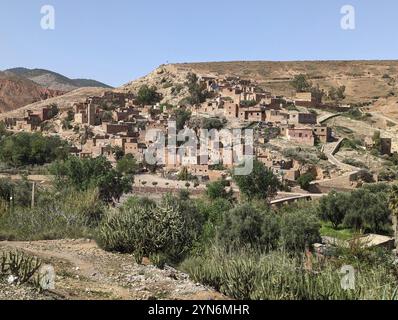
x=364, y=80
x=63, y=102
x=55, y=81
x=16, y=92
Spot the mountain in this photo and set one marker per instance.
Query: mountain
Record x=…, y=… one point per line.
x=16, y=92
x=55, y=81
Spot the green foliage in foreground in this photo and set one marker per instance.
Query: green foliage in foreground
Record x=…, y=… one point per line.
x=69, y=214
x=19, y=265
x=148, y=229
x=248, y=274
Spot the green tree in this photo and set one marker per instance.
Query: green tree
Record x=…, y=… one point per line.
x=54, y=110
x=317, y=93
x=337, y=94
x=31, y=149
x=197, y=91
x=246, y=225
x=127, y=165
x=368, y=211
x=305, y=180
x=299, y=229
x=147, y=95
x=216, y=190
x=84, y=174
x=212, y=123
x=300, y=83
x=333, y=208
x=118, y=152
x=182, y=116
x=261, y=183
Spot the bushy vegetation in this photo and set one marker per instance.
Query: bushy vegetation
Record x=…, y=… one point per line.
x=300, y=83
x=217, y=189
x=212, y=123
x=148, y=95
x=305, y=180
x=20, y=266
x=301, y=155
x=127, y=164
x=248, y=103
x=146, y=230
x=83, y=174
x=363, y=210
x=247, y=274
x=261, y=183
x=23, y=149
x=337, y=94
x=197, y=92
x=56, y=215
x=242, y=247
x=182, y=116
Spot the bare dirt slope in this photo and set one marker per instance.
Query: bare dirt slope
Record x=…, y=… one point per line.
x=86, y=272
x=364, y=80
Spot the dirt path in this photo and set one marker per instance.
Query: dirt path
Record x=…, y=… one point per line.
x=85, y=272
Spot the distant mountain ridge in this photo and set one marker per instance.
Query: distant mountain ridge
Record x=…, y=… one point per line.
x=55, y=81
x=16, y=92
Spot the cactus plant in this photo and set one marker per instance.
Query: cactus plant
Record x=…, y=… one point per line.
x=19, y=265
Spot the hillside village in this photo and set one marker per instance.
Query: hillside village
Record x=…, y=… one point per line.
x=147, y=173
x=291, y=134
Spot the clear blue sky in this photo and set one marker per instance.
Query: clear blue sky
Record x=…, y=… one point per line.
x=120, y=40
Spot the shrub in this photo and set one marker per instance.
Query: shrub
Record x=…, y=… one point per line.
x=212, y=214
x=19, y=265
x=368, y=212
x=69, y=214
x=248, y=103
x=305, y=180
x=299, y=229
x=146, y=231
x=197, y=91
x=19, y=191
x=333, y=208
x=147, y=95
x=213, y=123
x=182, y=116
x=261, y=183
x=355, y=163
x=246, y=274
x=84, y=174
x=31, y=149
x=216, y=190
x=245, y=225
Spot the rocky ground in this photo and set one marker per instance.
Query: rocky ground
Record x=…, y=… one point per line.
x=85, y=272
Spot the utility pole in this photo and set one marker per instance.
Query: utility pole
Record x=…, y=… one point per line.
x=33, y=194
